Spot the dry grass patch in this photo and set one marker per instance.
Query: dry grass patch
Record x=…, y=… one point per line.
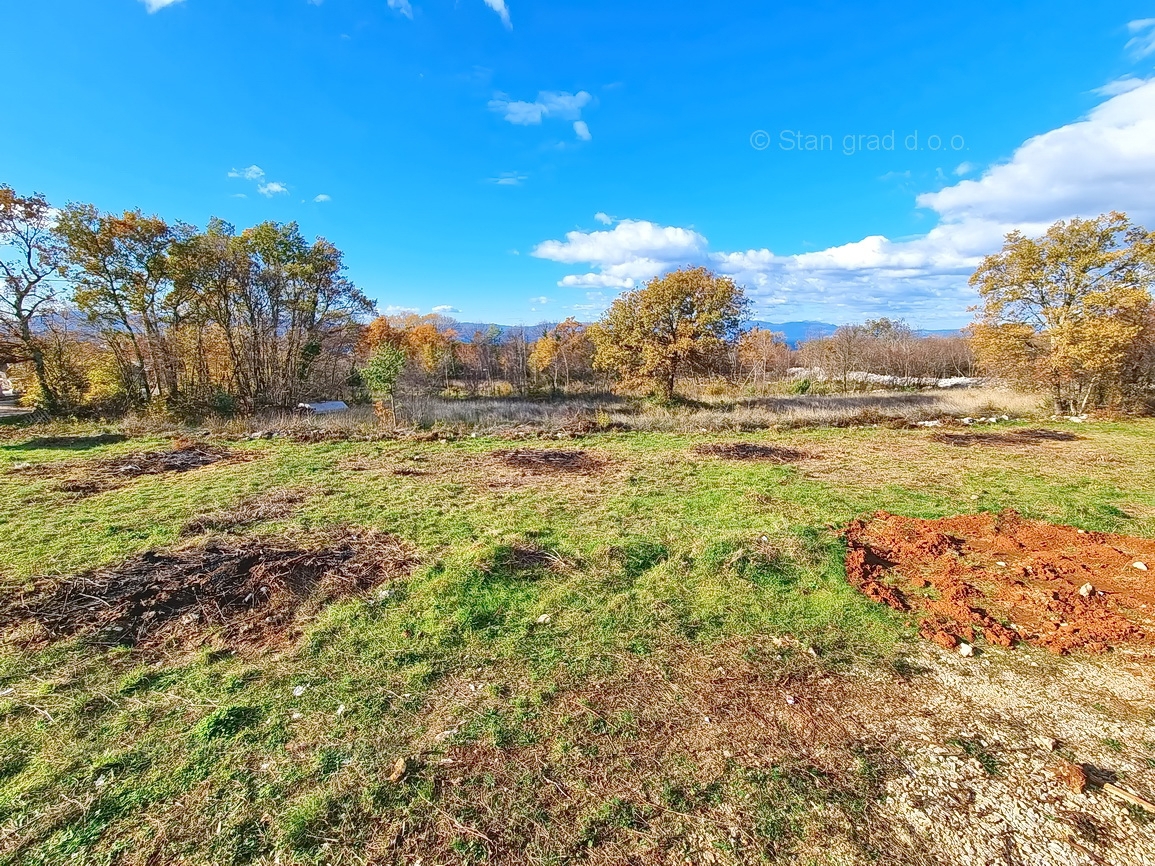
x=750, y=451
x=249, y=593
x=1028, y=437
x=90, y=477
x=720, y=756
x=549, y=460
x=273, y=505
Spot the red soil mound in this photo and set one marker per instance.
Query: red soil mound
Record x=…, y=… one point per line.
x=1008, y=579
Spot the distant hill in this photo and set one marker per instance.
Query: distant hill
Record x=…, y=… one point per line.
x=466, y=330
x=793, y=332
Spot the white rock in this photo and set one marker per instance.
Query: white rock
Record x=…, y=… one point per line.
x=1142, y=566
x=966, y=650
x=1085, y=590
x=543, y=619
x=299, y=690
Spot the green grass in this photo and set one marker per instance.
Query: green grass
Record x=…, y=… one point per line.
x=664, y=550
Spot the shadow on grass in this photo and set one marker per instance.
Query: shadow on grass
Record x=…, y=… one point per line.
x=68, y=443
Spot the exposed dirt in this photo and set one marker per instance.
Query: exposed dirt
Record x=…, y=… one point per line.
x=89, y=477
x=273, y=505
x=1030, y=436
x=247, y=593
x=542, y=460
x=1009, y=579
x=749, y=451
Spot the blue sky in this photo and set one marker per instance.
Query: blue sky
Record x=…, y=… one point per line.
x=525, y=161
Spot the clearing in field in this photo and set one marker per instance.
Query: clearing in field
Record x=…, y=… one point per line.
x=630, y=648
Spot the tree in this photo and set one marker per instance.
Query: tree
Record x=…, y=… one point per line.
x=31, y=263
x=283, y=307
x=121, y=271
x=563, y=352
x=381, y=373
x=763, y=355
x=683, y=321
x=1066, y=311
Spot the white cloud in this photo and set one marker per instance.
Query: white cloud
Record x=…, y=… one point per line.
x=1142, y=42
x=323, y=198
x=157, y=5
x=502, y=10
x=402, y=6
x=1103, y=162
x=541, y=302
x=268, y=190
x=394, y=310
x=965, y=168
x=253, y=172
x=582, y=129
x=1119, y=85
x=626, y=251
x=445, y=309
x=549, y=103
x=508, y=178
x=604, y=218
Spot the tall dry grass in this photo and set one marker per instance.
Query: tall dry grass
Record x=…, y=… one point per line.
x=494, y=415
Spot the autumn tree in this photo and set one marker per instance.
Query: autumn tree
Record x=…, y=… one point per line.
x=284, y=308
x=682, y=322
x=119, y=264
x=1066, y=311
x=31, y=265
x=562, y=352
x=762, y=356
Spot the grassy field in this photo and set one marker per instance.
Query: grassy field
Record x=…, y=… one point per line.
x=526, y=693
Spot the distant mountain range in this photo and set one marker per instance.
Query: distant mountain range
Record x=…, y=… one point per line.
x=793, y=332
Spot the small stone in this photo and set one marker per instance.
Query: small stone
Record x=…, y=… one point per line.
x=543, y=619
x=966, y=650
x=1142, y=566
x=299, y=690
x=1001, y=564
x=790, y=699
x=341, y=710
x=1046, y=743
x=399, y=770
x=1071, y=775
x=1085, y=590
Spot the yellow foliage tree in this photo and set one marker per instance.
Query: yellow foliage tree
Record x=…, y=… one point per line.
x=684, y=321
x=1065, y=311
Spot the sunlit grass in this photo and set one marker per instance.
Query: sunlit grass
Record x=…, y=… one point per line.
x=663, y=548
